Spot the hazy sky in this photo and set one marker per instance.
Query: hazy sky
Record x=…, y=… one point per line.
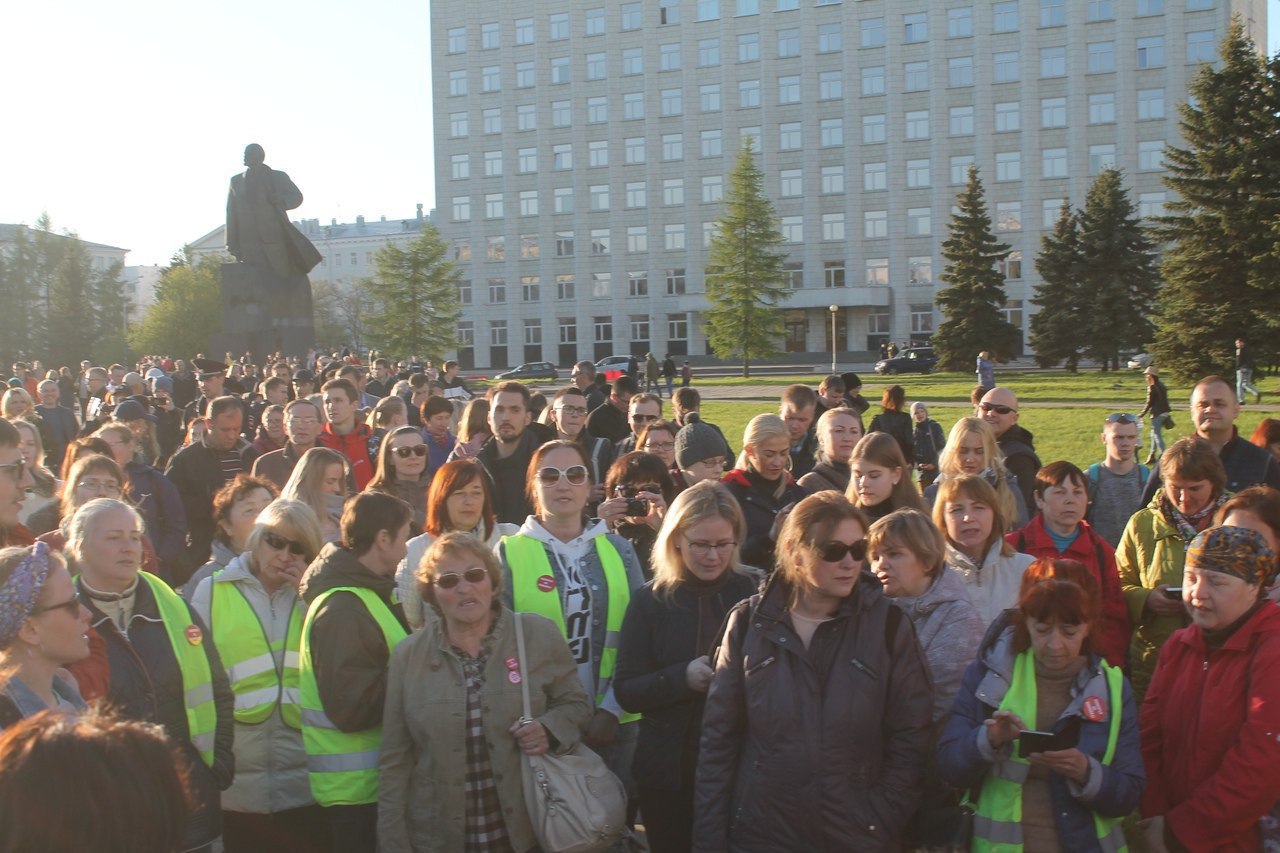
x=125, y=120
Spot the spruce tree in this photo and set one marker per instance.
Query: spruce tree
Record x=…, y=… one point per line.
x=22, y=320
x=1055, y=335
x=412, y=299
x=973, y=300
x=746, y=274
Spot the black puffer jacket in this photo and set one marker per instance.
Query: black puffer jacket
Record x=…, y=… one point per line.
x=760, y=505
x=818, y=749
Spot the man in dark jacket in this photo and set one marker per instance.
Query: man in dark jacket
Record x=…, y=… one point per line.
x=999, y=408
x=1156, y=408
x=506, y=455
x=60, y=425
x=798, y=409
x=584, y=379
x=610, y=419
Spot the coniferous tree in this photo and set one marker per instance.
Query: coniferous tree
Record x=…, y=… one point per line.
x=412, y=299
x=1055, y=335
x=746, y=273
x=973, y=300
x=22, y=320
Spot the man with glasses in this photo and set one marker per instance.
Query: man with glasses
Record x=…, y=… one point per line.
x=1115, y=484
x=15, y=479
x=506, y=455
x=569, y=417
x=301, y=427
x=584, y=379
x=609, y=421
x=999, y=408
x=642, y=410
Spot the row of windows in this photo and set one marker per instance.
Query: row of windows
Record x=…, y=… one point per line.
x=567, y=328
x=914, y=26
x=600, y=286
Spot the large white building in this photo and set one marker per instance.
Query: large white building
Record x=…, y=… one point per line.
x=582, y=149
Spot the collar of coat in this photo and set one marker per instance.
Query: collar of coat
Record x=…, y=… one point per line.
x=997, y=658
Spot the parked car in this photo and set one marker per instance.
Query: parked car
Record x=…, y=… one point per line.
x=1141, y=361
x=916, y=360
x=531, y=370
x=613, y=362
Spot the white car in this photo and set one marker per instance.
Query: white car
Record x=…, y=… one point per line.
x=613, y=362
x=1141, y=361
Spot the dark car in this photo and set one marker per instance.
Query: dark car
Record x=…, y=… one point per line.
x=531, y=370
x=917, y=360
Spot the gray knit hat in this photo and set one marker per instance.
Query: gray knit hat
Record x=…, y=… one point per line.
x=696, y=441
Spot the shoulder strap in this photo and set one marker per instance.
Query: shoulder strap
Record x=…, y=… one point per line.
x=524, y=670
x=891, y=623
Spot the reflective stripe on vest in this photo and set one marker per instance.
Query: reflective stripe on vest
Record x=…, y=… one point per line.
x=528, y=560
x=342, y=766
x=193, y=662
x=997, y=821
x=250, y=658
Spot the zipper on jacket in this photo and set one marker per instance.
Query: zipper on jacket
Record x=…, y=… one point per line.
x=865, y=670
x=770, y=659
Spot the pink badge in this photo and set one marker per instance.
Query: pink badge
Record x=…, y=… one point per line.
x=1095, y=710
x=512, y=664
x=546, y=583
x=513, y=677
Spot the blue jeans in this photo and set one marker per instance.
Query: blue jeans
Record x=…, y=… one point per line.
x=1244, y=382
x=1157, y=435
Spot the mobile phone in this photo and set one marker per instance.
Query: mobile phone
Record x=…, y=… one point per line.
x=1173, y=592
x=1034, y=741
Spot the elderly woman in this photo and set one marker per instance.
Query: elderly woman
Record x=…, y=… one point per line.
x=235, y=511
x=1037, y=671
x=763, y=487
x=43, y=627
x=319, y=480
x=839, y=431
x=402, y=471
x=1213, y=706
x=664, y=665
x=452, y=738
x=971, y=449
x=155, y=496
x=254, y=616
x=160, y=670
x=1154, y=546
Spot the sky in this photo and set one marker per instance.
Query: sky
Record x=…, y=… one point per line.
x=125, y=120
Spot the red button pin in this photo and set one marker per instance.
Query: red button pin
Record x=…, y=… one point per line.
x=194, y=635
x=512, y=664
x=1095, y=710
x=546, y=583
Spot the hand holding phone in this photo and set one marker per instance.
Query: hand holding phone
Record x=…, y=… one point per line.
x=1036, y=741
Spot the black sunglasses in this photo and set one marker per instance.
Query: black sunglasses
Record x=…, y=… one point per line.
x=834, y=551
x=406, y=452
x=275, y=540
x=71, y=605
x=449, y=580
x=997, y=408
x=1121, y=418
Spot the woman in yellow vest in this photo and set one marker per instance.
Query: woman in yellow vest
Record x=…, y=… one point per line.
x=569, y=568
x=162, y=667
x=255, y=618
x=1036, y=671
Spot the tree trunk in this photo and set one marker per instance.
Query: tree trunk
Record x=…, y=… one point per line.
x=746, y=369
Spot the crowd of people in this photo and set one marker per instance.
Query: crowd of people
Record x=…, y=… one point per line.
x=295, y=589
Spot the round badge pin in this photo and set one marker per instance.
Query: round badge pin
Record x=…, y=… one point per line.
x=512, y=664
x=513, y=677
x=546, y=583
x=1095, y=710
x=194, y=635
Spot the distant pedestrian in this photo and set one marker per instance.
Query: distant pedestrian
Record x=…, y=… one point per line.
x=686, y=374
x=669, y=373
x=1157, y=411
x=1244, y=372
x=985, y=370
x=652, y=372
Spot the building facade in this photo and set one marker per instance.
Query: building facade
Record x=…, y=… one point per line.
x=582, y=150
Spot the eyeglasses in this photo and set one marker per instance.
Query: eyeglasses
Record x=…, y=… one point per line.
x=575, y=474
x=643, y=419
x=660, y=445
x=71, y=605
x=449, y=580
x=102, y=487
x=572, y=410
x=834, y=551
x=406, y=452
x=15, y=470
x=275, y=540
x=626, y=490
x=705, y=549
x=997, y=408
x=1122, y=418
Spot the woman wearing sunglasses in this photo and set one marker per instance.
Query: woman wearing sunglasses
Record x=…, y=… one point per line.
x=817, y=723
x=664, y=667
x=320, y=480
x=572, y=570
x=453, y=742
x=43, y=627
x=160, y=666
x=254, y=616
x=402, y=471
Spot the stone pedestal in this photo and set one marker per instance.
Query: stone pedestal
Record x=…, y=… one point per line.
x=263, y=312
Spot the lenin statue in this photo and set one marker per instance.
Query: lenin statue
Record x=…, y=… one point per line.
x=258, y=229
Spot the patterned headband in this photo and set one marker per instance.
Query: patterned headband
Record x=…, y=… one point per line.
x=18, y=594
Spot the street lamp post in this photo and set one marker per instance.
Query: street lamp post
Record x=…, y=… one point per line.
x=834, y=309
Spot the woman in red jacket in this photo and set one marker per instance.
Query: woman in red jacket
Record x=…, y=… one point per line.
x=1211, y=719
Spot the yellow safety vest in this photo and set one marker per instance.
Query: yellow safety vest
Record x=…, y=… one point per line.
x=250, y=657
x=528, y=560
x=343, y=766
x=997, y=821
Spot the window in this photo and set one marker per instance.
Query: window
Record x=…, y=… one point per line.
x=917, y=126
x=830, y=85
x=917, y=173
x=677, y=328
x=960, y=22
x=1151, y=52
x=1051, y=211
x=831, y=131
x=457, y=124
x=1008, y=117
x=460, y=167
x=493, y=205
x=961, y=121
x=1102, y=57
x=789, y=136
x=1150, y=205
x=559, y=26
x=673, y=237
x=1053, y=62
x=749, y=47
x=672, y=102
x=464, y=292
x=786, y=5
x=637, y=196
x=601, y=285
x=638, y=283
x=1053, y=162
x=792, y=228
x=562, y=156
x=788, y=42
x=456, y=38
x=527, y=160
x=1102, y=108
x=960, y=166
x=633, y=150
x=1150, y=7
x=637, y=238
x=875, y=177
x=873, y=80
x=492, y=163
x=921, y=319
x=1199, y=5
x=1009, y=166
x=564, y=244
x=675, y=281
x=920, y=269
x=490, y=36
x=669, y=11
x=497, y=290
x=560, y=71
x=498, y=333
x=597, y=110
x=1151, y=155
x=1099, y=10
x=712, y=145
x=795, y=274
x=599, y=195
x=566, y=290
x=1005, y=67
x=531, y=291
x=832, y=179
x=632, y=17
x=562, y=199
x=790, y=183
x=872, y=32
x=833, y=226
x=639, y=327
x=1053, y=112
x=673, y=146
x=1013, y=307
x=789, y=89
x=457, y=83
x=603, y=330
x=873, y=129
x=491, y=119
x=875, y=224
x=525, y=76
x=632, y=60
x=833, y=271
x=709, y=98
x=915, y=27
x=529, y=246
x=708, y=10
x=1200, y=47
x=596, y=66
x=960, y=71
x=830, y=38
x=598, y=153
x=1011, y=268
x=1004, y=17
x=599, y=241
x=561, y=114
x=461, y=208
x=1053, y=13
x=919, y=221
x=524, y=31
x=750, y=136
x=669, y=56
x=633, y=105
x=1150, y=104
x=673, y=191
x=1101, y=157
x=1008, y=216
x=915, y=76
x=595, y=22
x=878, y=274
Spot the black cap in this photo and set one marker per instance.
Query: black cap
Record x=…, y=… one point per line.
x=132, y=410
x=303, y=375
x=207, y=368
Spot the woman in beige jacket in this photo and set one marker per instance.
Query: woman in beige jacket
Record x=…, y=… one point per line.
x=450, y=774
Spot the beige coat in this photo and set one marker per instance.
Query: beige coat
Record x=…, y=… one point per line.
x=423, y=767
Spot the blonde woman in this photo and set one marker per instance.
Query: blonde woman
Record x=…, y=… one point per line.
x=44, y=491
x=319, y=480
x=880, y=478
x=664, y=665
x=16, y=404
x=763, y=487
x=839, y=431
x=971, y=449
